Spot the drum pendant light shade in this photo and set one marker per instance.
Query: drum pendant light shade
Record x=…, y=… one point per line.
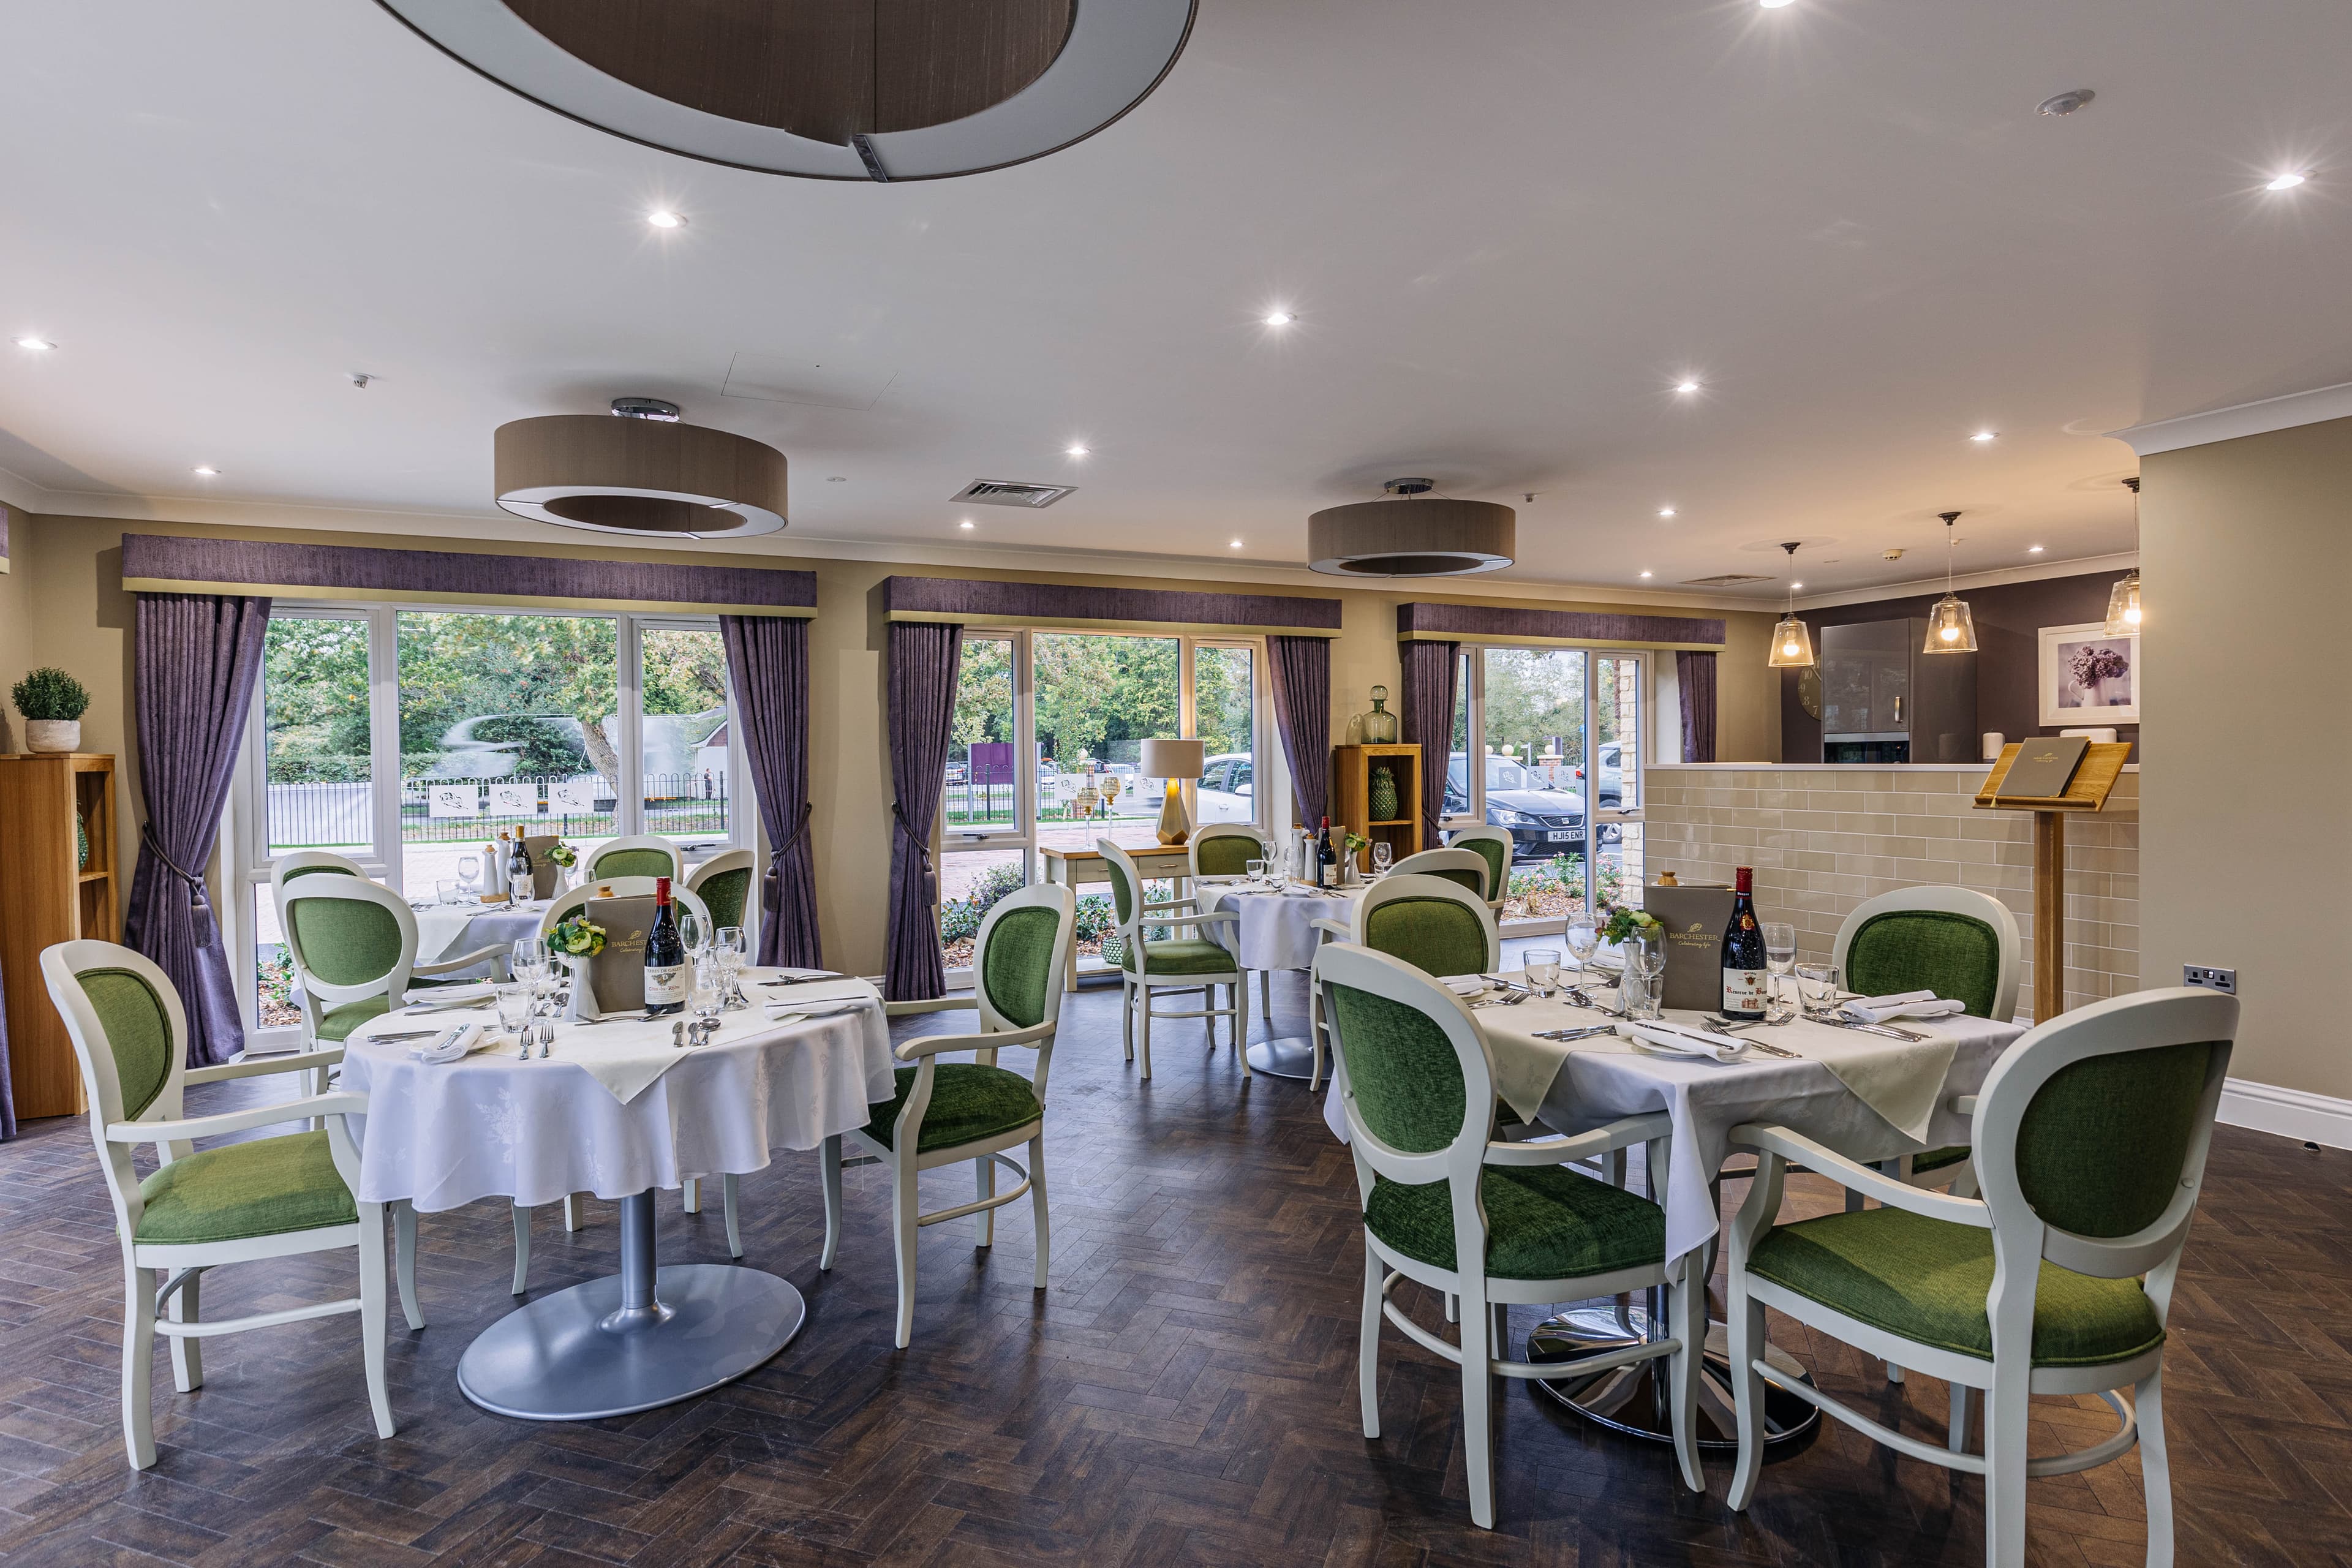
x=1951, y=629
x=639, y=476
x=1417, y=535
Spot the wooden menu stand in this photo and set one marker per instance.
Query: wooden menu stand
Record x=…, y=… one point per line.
x=2093, y=781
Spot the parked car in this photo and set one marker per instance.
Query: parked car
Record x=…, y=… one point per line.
x=1226, y=793
x=1542, y=821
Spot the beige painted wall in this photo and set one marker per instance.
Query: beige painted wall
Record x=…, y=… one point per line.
x=15, y=645
x=2246, y=834
x=67, y=582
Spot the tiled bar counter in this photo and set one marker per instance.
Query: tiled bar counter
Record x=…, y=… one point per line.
x=1823, y=838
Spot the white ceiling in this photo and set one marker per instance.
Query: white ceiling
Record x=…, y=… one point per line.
x=1507, y=227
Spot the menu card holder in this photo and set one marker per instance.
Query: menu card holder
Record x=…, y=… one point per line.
x=615, y=979
x=2093, y=782
x=1694, y=915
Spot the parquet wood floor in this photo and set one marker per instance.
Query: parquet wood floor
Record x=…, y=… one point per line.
x=1183, y=1395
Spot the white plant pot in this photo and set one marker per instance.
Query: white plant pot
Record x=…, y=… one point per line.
x=52, y=734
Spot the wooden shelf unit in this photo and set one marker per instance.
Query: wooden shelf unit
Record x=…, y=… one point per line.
x=1351, y=784
x=52, y=898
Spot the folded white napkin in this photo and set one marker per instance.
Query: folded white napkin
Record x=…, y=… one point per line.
x=1684, y=1041
x=821, y=1008
x=449, y=1045
x=451, y=994
x=1467, y=986
x=1902, y=1005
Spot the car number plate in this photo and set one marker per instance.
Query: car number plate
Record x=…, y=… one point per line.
x=1561, y=835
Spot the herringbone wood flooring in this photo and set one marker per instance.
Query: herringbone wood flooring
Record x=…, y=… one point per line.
x=1183, y=1394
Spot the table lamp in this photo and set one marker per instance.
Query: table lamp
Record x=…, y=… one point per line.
x=1174, y=760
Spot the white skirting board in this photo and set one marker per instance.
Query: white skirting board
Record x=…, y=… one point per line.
x=2289, y=1113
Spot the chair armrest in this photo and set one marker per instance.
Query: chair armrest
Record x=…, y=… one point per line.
x=1222, y=917
x=1340, y=929
x=1173, y=904
x=298, y=1061
x=935, y=1004
x=1855, y=1176
x=340, y=1103
x=465, y=960
x=1622, y=1133
x=942, y=1045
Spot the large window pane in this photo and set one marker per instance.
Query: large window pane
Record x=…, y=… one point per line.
x=983, y=778
x=1533, y=751
x=317, y=765
x=1098, y=699
x=505, y=721
x=1224, y=709
x=682, y=703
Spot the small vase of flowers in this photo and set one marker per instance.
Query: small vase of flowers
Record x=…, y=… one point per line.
x=575, y=940
x=567, y=863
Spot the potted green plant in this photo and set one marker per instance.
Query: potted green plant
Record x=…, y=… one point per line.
x=52, y=703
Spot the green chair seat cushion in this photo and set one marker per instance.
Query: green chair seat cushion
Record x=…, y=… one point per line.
x=1953, y=955
x=337, y=1023
x=1927, y=1279
x=239, y=1191
x=1543, y=1222
x=970, y=1101
x=1940, y=1159
x=1437, y=936
x=1183, y=955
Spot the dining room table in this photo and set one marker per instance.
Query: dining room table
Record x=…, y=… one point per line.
x=620, y=1108
x=445, y=930
x=1276, y=930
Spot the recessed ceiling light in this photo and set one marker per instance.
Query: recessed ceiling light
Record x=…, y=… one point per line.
x=1279, y=317
x=1076, y=449
x=1794, y=586
x=1692, y=386
x=1984, y=436
x=965, y=523
x=38, y=345
x=1666, y=511
x=837, y=479
x=2287, y=182
x=2065, y=103
x=662, y=217
x=1648, y=574
x=207, y=471
x=1772, y=5
x=2033, y=549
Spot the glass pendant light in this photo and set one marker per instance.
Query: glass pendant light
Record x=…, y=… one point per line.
x=2123, y=599
x=1950, y=627
x=1792, y=645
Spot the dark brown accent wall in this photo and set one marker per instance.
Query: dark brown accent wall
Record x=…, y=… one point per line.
x=2008, y=620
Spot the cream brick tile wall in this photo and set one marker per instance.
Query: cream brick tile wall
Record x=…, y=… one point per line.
x=1823, y=840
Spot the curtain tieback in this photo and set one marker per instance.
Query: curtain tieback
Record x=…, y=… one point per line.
x=922, y=844
x=200, y=905
x=771, y=886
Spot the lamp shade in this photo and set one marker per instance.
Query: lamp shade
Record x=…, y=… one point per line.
x=1418, y=536
x=1792, y=645
x=1165, y=759
x=2123, y=606
x=1951, y=629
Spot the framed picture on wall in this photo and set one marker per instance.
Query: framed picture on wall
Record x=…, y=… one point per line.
x=2089, y=677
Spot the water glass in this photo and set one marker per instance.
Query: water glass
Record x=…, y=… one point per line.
x=1646, y=967
x=1780, y=952
x=1541, y=965
x=1256, y=869
x=514, y=1007
x=447, y=890
x=1381, y=855
x=706, y=995
x=1583, y=942
x=1817, y=987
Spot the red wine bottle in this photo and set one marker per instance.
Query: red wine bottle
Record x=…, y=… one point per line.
x=665, y=957
x=1327, y=859
x=1746, y=989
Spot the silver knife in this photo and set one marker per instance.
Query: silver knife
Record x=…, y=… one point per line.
x=1887, y=1030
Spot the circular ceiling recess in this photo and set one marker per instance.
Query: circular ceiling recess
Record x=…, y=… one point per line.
x=644, y=475
x=830, y=89
x=1414, y=535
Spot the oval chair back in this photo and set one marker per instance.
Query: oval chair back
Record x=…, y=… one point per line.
x=1435, y=924
x=1465, y=868
x=1225, y=849
x=1126, y=899
x=723, y=882
x=307, y=863
x=1955, y=941
x=129, y=1037
x=570, y=902
x=639, y=855
x=1019, y=960
x=1415, y=1077
x=351, y=941
x=1493, y=846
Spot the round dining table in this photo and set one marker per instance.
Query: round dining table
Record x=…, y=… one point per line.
x=617, y=1109
x=1276, y=930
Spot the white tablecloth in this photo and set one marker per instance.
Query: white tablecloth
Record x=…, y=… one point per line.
x=1276, y=930
x=1585, y=1084
x=444, y=931
x=495, y=1126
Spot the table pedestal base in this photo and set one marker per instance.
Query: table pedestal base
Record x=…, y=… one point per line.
x=1291, y=1056
x=632, y=1340
x=1632, y=1399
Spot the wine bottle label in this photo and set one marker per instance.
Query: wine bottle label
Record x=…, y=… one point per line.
x=665, y=984
x=1744, y=990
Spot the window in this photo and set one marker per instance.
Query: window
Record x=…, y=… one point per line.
x=1224, y=702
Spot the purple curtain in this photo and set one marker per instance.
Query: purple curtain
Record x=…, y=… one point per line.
x=195, y=659
x=1695, y=677
x=924, y=659
x=7, y=1098
x=767, y=660
x=1429, y=671
x=1302, y=713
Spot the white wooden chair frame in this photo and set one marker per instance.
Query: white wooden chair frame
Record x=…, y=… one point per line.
x=2021, y=1240
x=1488, y=834
x=637, y=841
x=1266, y=852
x=1395, y=884
x=718, y=865
x=902, y=1156
x=1136, y=983
x=314, y=862
x=1431, y=861
x=180, y=1266
x=318, y=993
x=1484, y=1299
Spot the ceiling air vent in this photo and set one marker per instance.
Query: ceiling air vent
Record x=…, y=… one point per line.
x=1725, y=580
x=1007, y=493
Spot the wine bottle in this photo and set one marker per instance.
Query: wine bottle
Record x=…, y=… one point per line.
x=521, y=878
x=1745, y=987
x=665, y=957
x=1327, y=859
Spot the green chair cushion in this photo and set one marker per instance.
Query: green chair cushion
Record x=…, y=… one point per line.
x=1017, y=965
x=1497, y=855
x=631, y=863
x=1953, y=955
x=1434, y=935
x=138, y=1031
x=725, y=895
x=337, y=1023
x=243, y=1190
x=343, y=942
x=1940, y=1159
x=1227, y=854
x=1543, y=1222
x=1927, y=1279
x=968, y=1102
x=1401, y=1069
x=1184, y=955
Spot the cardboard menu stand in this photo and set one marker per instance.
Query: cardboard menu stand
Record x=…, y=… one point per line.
x=1694, y=915
x=615, y=979
x=2092, y=780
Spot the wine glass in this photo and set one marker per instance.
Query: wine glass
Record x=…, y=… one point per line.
x=731, y=947
x=1646, y=961
x=1779, y=952
x=470, y=874
x=690, y=930
x=1583, y=942
x=1541, y=966
x=1381, y=855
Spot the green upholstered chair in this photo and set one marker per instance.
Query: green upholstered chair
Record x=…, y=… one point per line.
x=1184, y=960
x=1447, y=1206
x=1492, y=845
x=354, y=943
x=723, y=883
x=1433, y=922
x=2090, y=1139
x=639, y=855
x=1463, y=867
x=944, y=1113
x=201, y=1209
x=1225, y=849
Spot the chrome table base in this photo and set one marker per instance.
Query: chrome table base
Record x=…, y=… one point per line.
x=1632, y=1399
x=1290, y=1057
x=632, y=1340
